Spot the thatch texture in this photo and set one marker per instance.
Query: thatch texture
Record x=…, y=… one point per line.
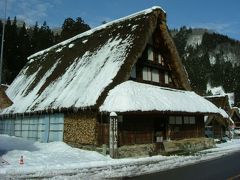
x=4, y=100
x=179, y=72
x=235, y=115
x=221, y=101
x=78, y=73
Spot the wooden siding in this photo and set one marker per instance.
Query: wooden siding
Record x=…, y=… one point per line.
x=142, y=129
x=182, y=131
x=80, y=129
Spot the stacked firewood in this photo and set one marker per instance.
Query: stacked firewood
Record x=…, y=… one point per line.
x=80, y=129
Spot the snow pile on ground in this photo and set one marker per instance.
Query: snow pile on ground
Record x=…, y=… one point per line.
x=57, y=160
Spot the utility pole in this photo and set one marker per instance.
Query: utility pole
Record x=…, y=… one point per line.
x=3, y=33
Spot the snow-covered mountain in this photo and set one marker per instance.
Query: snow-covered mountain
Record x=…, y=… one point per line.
x=219, y=46
x=209, y=57
x=195, y=38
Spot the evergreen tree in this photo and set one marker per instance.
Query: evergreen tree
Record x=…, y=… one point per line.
x=10, y=48
x=45, y=36
x=24, y=48
x=80, y=26
x=71, y=28
x=34, y=39
x=67, y=29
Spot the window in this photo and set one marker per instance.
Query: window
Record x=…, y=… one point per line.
x=171, y=120
x=146, y=74
x=166, y=78
x=169, y=79
x=155, y=75
x=175, y=120
x=189, y=120
x=178, y=120
x=133, y=72
x=186, y=120
x=192, y=120
x=160, y=59
x=150, y=54
x=150, y=74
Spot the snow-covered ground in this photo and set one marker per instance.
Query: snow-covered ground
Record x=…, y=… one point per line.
x=57, y=160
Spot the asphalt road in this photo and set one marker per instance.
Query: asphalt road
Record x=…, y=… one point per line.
x=226, y=167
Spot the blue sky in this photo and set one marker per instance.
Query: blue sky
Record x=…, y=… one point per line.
x=219, y=15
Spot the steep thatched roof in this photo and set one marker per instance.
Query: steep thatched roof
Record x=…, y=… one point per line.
x=221, y=101
x=4, y=100
x=235, y=115
x=79, y=72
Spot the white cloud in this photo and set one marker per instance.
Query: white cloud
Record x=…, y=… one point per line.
x=30, y=10
x=224, y=28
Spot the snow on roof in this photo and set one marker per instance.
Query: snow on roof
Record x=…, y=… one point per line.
x=220, y=92
x=91, y=31
x=76, y=72
x=71, y=89
x=223, y=113
x=215, y=90
x=133, y=96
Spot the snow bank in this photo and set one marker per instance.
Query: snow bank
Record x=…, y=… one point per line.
x=59, y=161
x=41, y=156
x=13, y=143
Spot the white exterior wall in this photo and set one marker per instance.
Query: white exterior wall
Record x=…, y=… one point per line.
x=43, y=128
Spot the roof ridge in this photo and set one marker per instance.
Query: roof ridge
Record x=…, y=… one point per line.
x=103, y=26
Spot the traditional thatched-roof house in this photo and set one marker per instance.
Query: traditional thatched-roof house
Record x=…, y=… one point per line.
x=235, y=116
x=129, y=66
x=223, y=121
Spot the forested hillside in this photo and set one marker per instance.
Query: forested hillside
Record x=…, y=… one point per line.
x=21, y=41
x=209, y=58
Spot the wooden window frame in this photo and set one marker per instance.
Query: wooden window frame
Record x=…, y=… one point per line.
x=149, y=72
x=150, y=52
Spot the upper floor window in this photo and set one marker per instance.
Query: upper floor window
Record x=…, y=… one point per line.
x=133, y=72
x=167, y=78
x=146, y=72
x=150, y=74
x=155, y=75
x=150, y=54
x=160, y=59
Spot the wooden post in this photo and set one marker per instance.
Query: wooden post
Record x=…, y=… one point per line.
x=113, y=136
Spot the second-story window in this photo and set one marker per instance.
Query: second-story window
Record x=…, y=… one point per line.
x=150, y=54
x=150, y=74
x=133, y=72
x=160, y=59
x=166, y=78
x=146, y=73
x=155, y=75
